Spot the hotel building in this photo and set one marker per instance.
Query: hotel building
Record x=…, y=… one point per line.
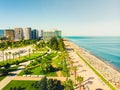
x=18, y=34
x=10, y=34
x=1, y=33
x=27, y=33
x=47, y=35
x=34, y=34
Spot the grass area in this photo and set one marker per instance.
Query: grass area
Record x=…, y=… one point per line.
x=24, y=84
x=36, y=71
x=98, y=74
x=21, y=73
x=43, y=49
x=59, y=64
x=2, y=77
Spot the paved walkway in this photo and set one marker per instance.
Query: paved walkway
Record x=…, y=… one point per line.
x=34, y=78
x=13, y=74
x=91, y=80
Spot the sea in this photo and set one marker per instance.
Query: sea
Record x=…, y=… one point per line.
x=105, y=48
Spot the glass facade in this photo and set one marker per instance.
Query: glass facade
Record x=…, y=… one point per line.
x=47, y=35
x=1, y=33
x=34, y=34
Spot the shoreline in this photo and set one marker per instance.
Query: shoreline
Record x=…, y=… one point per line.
x=108, y=71
x=103, y=60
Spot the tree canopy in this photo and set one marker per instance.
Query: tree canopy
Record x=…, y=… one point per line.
x=56, y=44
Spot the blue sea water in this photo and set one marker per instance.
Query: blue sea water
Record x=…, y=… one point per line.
x=106, y=48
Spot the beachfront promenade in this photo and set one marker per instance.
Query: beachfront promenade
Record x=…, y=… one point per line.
x=109, y=73
x=91, y=80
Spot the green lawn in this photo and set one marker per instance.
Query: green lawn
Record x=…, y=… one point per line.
x=36, y=71
x=59, y=63
x=2, y=77
x=24, y=84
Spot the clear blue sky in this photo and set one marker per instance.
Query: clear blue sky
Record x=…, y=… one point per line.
x=73, y=17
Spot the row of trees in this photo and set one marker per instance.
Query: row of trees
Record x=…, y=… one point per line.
x=6, y=44
x=9, y=54
x=15, y=54
x=74, y=69
x=68, y=66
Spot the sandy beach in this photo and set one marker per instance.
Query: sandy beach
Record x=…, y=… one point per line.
x=109, y=73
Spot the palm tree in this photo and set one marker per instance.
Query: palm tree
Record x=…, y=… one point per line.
x=3, y=52
x=33, y=50
x=80, y=80
x=13, y=54
x=66, y=70
x=6, y=54
x=19, y=55
x=68, y=85
x=75, y=72
x=29, y=51
x=9, y=55
x=45, y=65
x=71, y=63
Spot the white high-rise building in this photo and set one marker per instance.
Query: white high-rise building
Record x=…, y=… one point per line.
x=18, y=34
x=27, y=33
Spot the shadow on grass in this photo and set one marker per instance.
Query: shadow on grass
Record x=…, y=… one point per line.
x=12, y=74
x=53, y=70
x=17, y=88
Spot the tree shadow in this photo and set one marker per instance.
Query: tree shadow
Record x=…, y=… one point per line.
x=99, y=89
x=88, y=79
x=17, y=88
x=12, y=74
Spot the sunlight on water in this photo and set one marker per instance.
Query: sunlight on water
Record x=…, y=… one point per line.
x=106, y=48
